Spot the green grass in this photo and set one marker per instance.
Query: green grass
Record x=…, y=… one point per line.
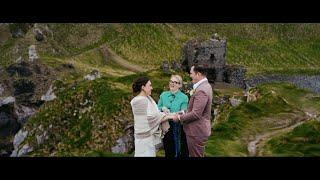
x=236, y=125
x=5, y=57
x=302, y=141
x=262, y=48
x=83, y=118
x=106, y=154
x=301, y=98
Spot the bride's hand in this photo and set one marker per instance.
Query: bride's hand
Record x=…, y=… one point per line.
x=168, y=116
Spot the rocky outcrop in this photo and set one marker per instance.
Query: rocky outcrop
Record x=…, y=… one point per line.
x=24, y=83
x=32, y=53
x=22, y=69
x=23, y=113
x=8, y=120
x=23, y=86
x=251, y=95
x=7, y=100
x=21, y=147
x=125, y=144
x=8, y=124
x=1, y=89
x=13, y=116
x=19, y=138
x=93, y=75
x=38, y=34
x=218, y=101
x=19, y=60
x=235, y=102
x=19, y=29
x=49, y=96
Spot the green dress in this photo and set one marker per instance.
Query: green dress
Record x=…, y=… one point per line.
x=175, y=103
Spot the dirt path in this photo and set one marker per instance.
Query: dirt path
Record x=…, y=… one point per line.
x=109, y=54
x=255, y=146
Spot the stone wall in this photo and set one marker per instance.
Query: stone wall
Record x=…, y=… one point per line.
x=311, y=83
x=235, y=75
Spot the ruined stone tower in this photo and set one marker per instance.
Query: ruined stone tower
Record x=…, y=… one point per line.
x=211, y=54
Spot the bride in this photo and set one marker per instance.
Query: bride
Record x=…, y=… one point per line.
x=150, y=124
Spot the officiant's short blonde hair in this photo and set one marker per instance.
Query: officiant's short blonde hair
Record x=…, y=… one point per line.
x=178, y=77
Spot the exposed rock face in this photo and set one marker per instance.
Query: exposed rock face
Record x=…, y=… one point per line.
x=24, y=150
x=8, y=121
x=28, y=81
x=21, y=148
x=235, y=102
x=23, y=113
x=19, y=29
x=13, y=116
x=1, y=89
x=251, y=94
x=8, y=125
x=22, y=69
x=19, y=138
x=24, y=83
x=23, y=86
x=93, y=75
x=49, y=96
x=19, y=60
x=125, y=144
x=42, y=135
x=32, y=53
x=221, y=101
x=7, y=100
x=39, y=36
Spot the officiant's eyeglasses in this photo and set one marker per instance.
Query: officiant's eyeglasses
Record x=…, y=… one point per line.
x=173, y=82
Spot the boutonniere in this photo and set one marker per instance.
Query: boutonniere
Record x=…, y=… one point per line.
x=192, y=92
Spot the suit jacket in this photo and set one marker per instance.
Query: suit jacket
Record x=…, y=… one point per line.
x=197, y=120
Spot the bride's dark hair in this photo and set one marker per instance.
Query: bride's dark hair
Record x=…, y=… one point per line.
x=138, y=83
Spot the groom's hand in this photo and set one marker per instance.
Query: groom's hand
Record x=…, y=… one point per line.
x=176, y=118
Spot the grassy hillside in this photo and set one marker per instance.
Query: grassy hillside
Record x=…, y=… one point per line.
x=280, y=105
x=88, y=116
x=81, y=119
x=302, y=141
x=262, y=48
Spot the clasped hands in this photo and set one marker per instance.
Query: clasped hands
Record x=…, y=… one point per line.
x=174, y=116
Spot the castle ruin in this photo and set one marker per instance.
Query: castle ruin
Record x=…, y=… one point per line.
x=211, y=55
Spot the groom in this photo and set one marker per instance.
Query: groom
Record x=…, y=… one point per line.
x=196, y=122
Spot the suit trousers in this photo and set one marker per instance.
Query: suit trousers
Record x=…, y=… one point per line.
x=196, y=145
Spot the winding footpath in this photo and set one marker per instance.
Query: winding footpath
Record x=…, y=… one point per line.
x=255, y=147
